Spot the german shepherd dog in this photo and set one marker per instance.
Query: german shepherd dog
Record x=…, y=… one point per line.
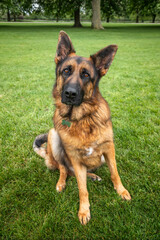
x=82, y=137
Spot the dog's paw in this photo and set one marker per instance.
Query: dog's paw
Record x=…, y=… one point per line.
x=84, y=217
x=97, y=179
x=60, y=187
x=125, y=195
x=94, y=177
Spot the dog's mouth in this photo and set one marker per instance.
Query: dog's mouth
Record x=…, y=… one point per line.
x=72, y=103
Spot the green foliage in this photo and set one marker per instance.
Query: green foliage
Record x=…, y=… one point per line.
x=15, y=7
x=153, y=8
x=110, y=8
x=30, y=207
x=144, y=7
x=65, y=9
x=59, y=8
x=54, y=8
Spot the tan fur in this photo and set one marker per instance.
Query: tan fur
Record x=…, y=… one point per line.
x=82, y=145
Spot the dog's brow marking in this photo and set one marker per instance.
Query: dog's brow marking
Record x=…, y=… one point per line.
x=55, y=140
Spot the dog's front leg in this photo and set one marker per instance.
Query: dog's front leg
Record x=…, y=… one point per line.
x=84, y=208
x=109, y=155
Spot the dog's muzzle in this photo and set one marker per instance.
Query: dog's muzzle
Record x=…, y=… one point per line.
x=72, y=95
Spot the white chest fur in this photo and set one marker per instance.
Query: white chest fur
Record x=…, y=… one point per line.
x=90, y=151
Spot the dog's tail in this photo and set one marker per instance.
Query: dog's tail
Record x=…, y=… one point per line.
x=37, y=145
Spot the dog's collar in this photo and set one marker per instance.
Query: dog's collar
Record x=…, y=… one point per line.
x=65, y=122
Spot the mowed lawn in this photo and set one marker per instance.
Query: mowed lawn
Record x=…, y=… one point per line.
x=30, y=207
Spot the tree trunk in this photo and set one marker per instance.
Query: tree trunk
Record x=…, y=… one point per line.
x=137, y=17
x=14, y=17
x=107, y=20
x=77, y=22
x=96, y=14
x=153, y=18
x=8, y=15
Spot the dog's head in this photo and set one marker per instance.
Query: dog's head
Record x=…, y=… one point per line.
x=78, y=77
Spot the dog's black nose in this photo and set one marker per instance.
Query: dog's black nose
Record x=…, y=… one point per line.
x=70, y=93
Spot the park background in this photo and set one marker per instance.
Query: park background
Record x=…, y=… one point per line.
x=81, y=10
x=30, y=207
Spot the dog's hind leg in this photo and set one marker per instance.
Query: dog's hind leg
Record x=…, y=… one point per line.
x=50, y=161
x=55, y=158
x=94, y=177
x=54, y=150
x=53, y=155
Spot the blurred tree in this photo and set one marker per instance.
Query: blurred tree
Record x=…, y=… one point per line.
x=135, y=7
x=111, y=8
x=145, y=8
x=50, y=8
x=61, y=8
x=88, y=8
x=153, y=8
x=15, y=7
x=74, y=9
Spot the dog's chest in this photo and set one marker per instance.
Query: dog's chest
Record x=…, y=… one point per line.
x=88, y=150
x=91, y=156
x=91, y=152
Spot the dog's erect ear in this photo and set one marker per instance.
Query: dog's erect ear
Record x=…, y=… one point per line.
x=103, y=59
x=64, y=47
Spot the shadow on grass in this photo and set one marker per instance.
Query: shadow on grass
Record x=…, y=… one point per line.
x=125, y=27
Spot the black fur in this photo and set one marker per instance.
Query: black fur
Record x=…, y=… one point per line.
x=40, y=139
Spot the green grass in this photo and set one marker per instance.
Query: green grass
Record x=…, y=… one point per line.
x=30, y=207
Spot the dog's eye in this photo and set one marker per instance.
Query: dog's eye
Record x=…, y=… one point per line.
x=86, y=75
x=67, y=70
